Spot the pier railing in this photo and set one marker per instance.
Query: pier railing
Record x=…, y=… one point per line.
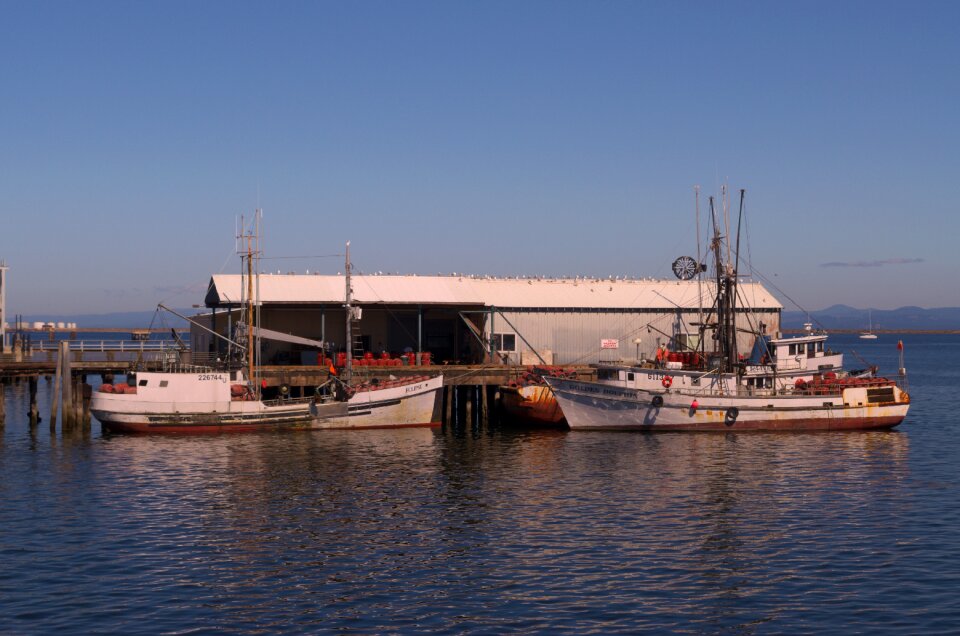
x=112, y=346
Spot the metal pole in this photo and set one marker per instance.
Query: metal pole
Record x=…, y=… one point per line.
x=348, y=298
x=419, y=331
x=492, y=337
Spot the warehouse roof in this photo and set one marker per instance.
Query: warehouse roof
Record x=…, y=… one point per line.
x=532, y=293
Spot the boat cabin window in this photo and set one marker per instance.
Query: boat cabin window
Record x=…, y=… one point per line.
x=142, y=383
x=233, y=376
x=760, y=383
x=607, y=374
x=629, y=376
x=163, y=384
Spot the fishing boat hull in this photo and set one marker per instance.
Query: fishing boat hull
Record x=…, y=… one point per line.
x=597, y=406
x=415, y=404
x=532, y=405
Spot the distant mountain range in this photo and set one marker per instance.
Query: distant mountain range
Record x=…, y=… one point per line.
x=842, y=317
x=119, y=320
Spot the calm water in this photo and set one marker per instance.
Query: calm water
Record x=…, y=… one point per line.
x=491, y=532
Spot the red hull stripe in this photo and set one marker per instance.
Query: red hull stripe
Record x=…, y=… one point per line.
x=845, y=424
x=214, y=429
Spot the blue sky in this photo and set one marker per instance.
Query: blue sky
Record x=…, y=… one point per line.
x=505, y=138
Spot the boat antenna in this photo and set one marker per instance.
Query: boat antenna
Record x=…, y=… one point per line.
x=726, y=217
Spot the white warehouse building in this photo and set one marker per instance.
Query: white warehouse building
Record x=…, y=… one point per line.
x=465, y=319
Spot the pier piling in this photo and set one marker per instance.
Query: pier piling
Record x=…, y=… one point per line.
x=34, y=410
x=55, y=397
x=86, y=392
x=66, y=383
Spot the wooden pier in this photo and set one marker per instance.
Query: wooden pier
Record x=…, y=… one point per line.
x=470, y=393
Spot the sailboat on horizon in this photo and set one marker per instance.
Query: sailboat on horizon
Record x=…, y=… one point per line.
x=868, y=334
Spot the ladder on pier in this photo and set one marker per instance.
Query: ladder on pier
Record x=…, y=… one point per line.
x=356, y=347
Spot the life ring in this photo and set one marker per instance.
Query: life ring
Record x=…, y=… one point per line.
x=657, y=401
x=732, y=414
x=666, y=381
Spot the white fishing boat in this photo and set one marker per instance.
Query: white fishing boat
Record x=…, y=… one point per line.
x=786, y=383
x=187, y=399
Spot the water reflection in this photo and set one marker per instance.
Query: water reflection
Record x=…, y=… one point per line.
x=461, y=530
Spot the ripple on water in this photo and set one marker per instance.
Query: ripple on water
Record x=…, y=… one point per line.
x=386, y=531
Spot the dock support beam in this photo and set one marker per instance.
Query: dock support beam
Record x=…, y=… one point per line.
x=86, y=393
x=66, y=382
x=34, y=411
x=55, y=398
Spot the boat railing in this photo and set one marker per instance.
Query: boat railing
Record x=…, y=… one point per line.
x=748, y=391
x=207, y=359
x=288, y=400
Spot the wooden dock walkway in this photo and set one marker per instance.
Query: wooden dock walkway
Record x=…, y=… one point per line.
x=470, y=391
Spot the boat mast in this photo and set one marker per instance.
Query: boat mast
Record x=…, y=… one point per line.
x=701, y=346
x=726, y=281
x=252, y=237
x=249, y=307
x=733, y=282
x=348, y=297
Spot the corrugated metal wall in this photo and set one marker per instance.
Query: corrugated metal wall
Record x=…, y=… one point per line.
x=574, y=337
